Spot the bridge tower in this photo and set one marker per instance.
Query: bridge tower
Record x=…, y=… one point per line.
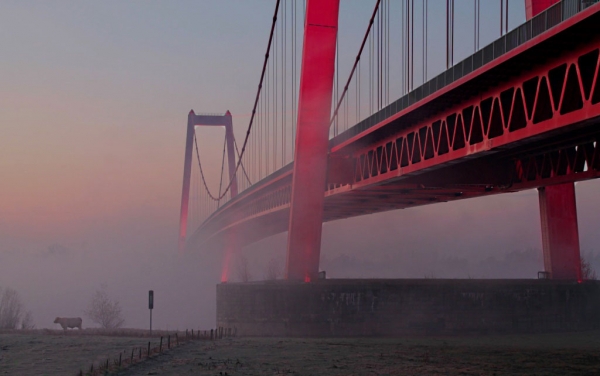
x=203, y=120
x=310, y=159
x=558, y=209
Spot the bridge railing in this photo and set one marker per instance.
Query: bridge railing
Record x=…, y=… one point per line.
x=544, y=21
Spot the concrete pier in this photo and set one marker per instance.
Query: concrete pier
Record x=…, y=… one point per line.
x=377, y=307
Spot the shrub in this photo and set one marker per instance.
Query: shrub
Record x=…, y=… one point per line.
x=104, y=311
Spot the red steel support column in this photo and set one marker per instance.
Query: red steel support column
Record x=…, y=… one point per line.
x=310, y=159
x=558, y=210
x=534, y=7
x=560, y=237
x=187, y=170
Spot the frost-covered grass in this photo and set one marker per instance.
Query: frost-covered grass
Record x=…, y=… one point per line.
x=45, y=352
x=55, y=352
x=547, y=354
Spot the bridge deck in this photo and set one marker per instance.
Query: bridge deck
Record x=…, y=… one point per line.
x=410, y=153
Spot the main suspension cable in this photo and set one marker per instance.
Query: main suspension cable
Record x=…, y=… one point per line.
x=240, y=158
x=238, y=164
x=362, y=46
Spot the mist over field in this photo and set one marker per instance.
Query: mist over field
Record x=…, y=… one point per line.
x=497, y=237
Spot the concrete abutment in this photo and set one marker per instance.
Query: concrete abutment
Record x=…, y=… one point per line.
x=407, y=307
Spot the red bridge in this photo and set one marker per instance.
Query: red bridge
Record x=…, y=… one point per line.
x=518, y=114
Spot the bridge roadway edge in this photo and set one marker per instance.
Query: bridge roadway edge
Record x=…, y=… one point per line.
x=398, y=307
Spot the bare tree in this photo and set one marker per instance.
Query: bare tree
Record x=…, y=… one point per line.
x=27, y=321
x=587, y=272
x=273, y=270
x=11, y=309
x=104, y=311
x=244, y=269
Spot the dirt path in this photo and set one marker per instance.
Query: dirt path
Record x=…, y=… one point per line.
x=559, y=354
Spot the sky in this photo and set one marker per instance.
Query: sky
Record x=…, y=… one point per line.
x=94, y=99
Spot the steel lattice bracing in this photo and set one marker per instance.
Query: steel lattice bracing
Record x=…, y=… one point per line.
x=554, y=96
x=517, y=122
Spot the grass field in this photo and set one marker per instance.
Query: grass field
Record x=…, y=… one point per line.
x=53, y=352
x=558, y=354
x=50, y=353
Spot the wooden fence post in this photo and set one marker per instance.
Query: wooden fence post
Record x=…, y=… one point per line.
x=132, y=350
x=169, y=341
x=120, y=359
x=160, y=346
x=148, y=349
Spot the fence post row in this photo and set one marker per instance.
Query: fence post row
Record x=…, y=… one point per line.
x=215, y=334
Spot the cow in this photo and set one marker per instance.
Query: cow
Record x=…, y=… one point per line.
x=69, y=322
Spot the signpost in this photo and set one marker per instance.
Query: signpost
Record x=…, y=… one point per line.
x=150, y=306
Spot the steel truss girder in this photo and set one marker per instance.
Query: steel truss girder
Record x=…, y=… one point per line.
x=574, y=162
x=560, y=94
x=567, y=164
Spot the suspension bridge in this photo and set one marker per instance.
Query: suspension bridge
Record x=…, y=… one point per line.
x=402, y=129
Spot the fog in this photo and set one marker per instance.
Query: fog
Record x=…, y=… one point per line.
x=496, y=237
